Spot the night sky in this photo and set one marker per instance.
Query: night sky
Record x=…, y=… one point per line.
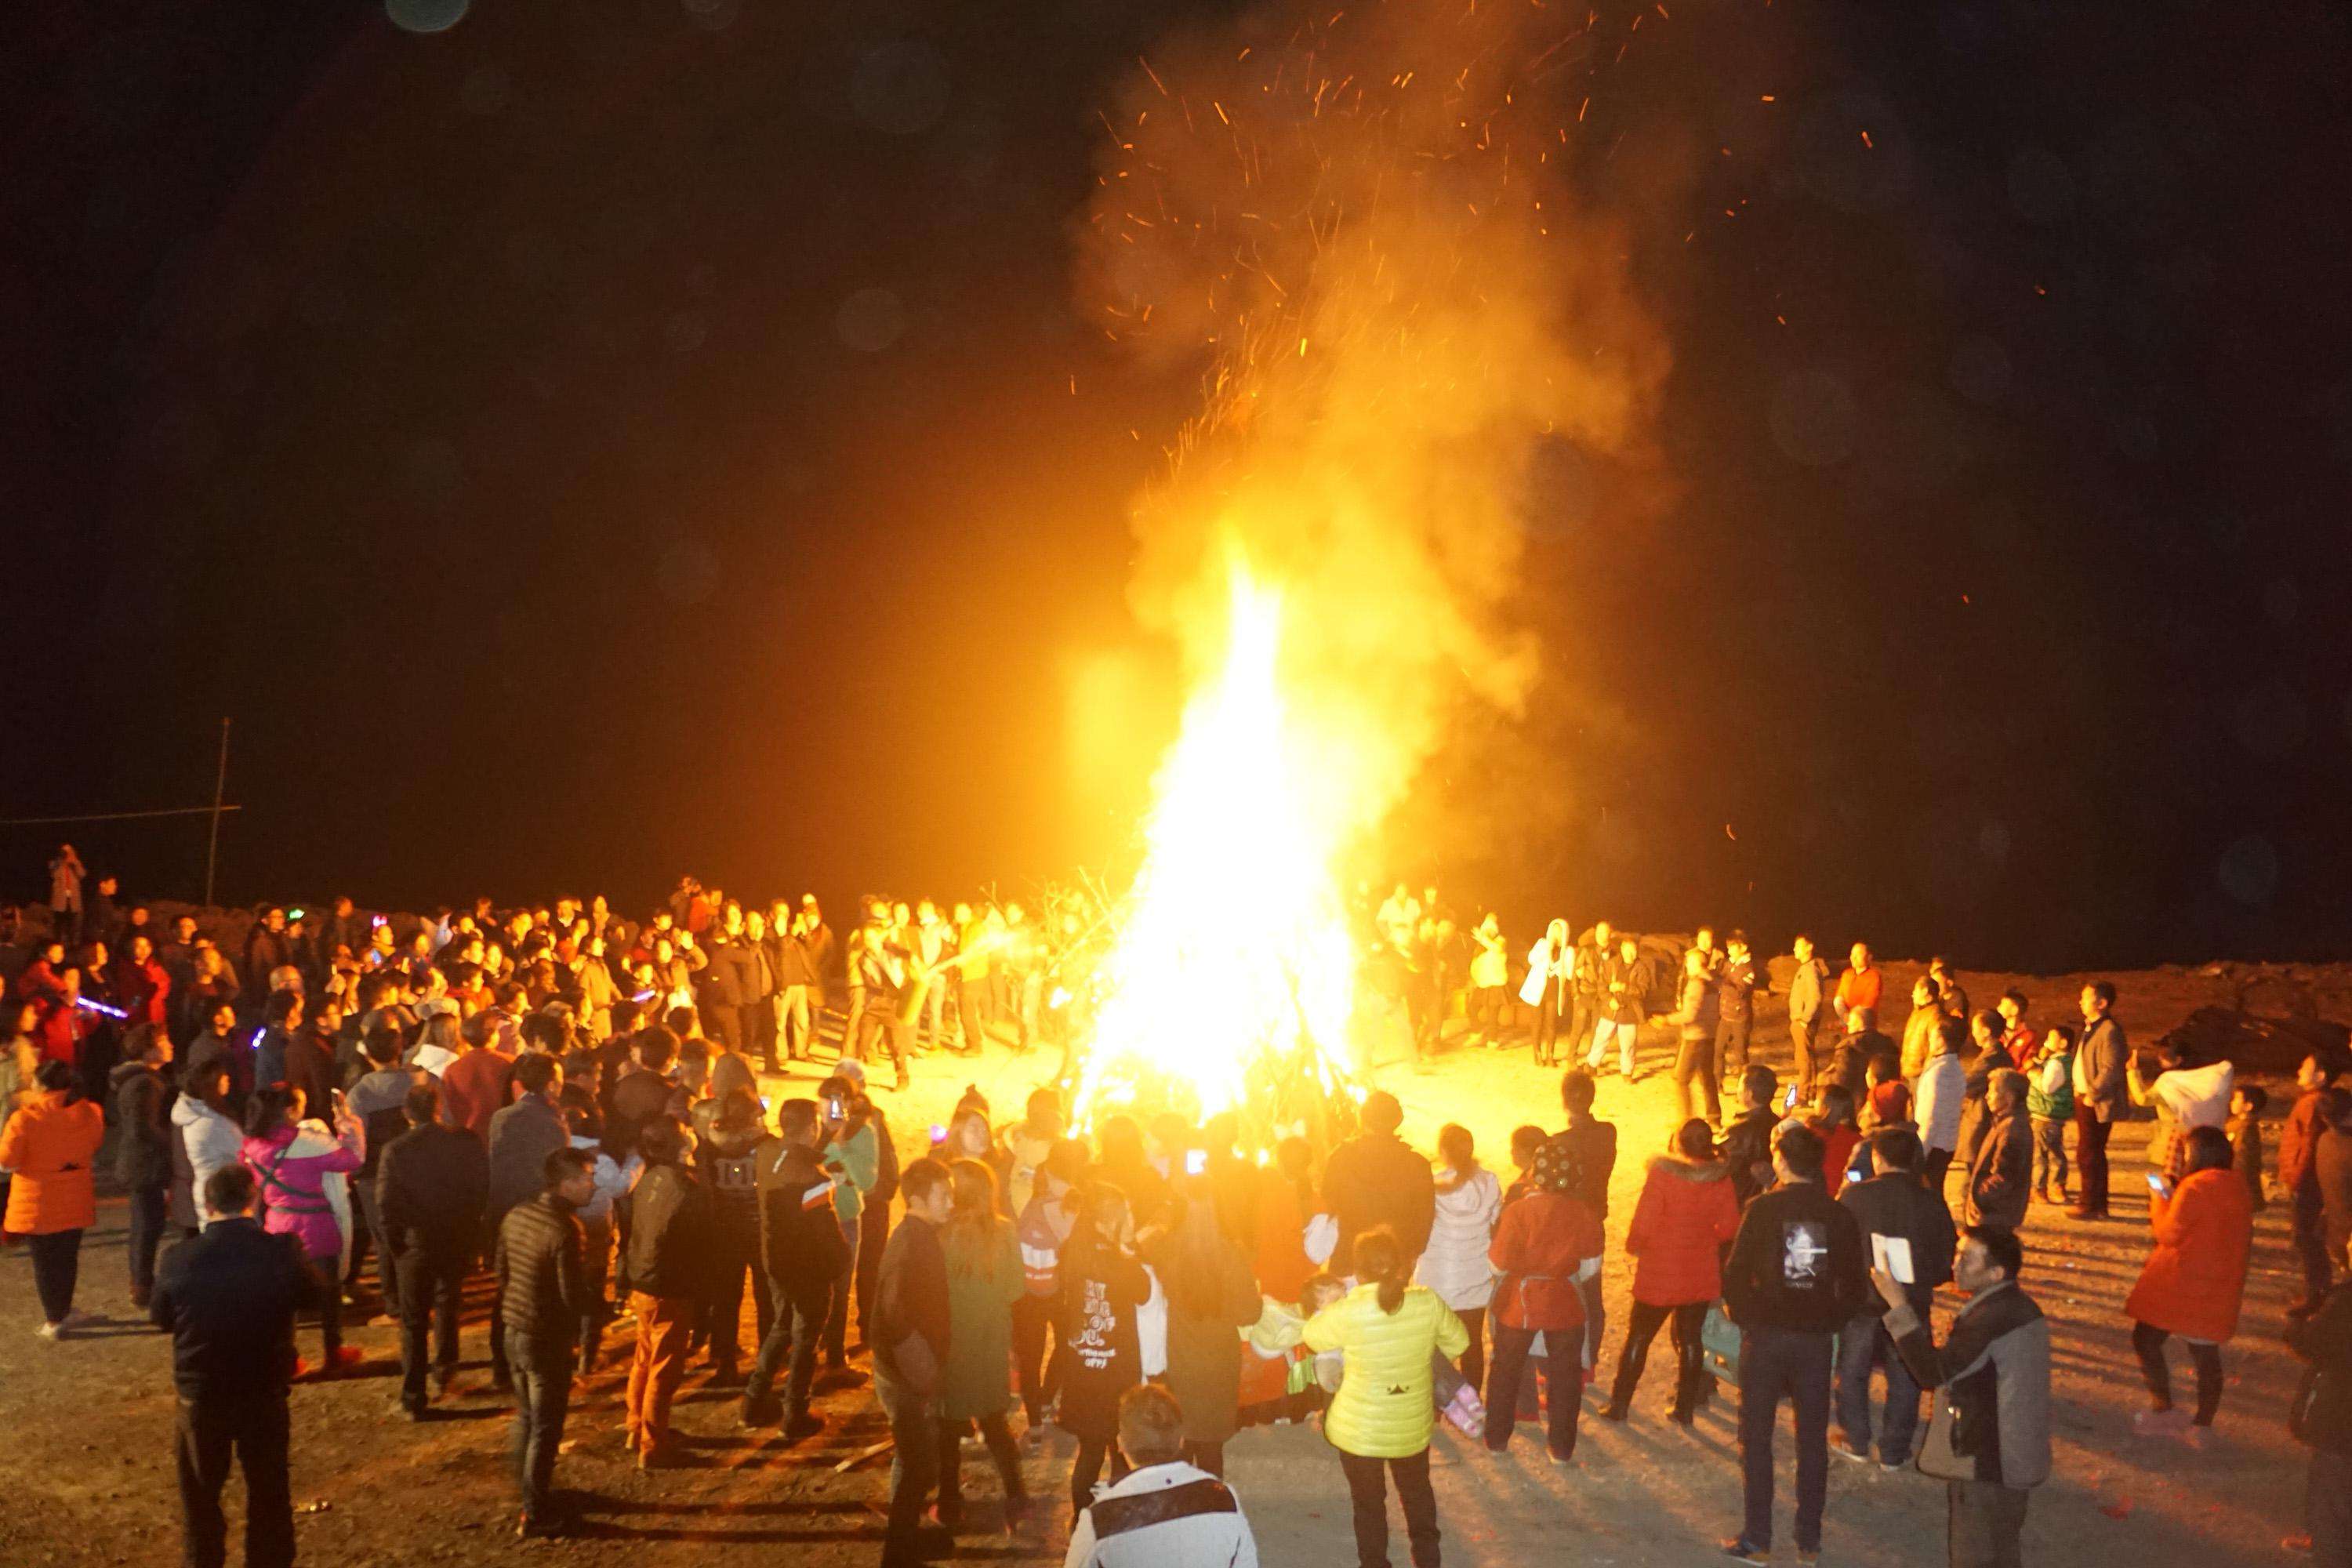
x=591, y=443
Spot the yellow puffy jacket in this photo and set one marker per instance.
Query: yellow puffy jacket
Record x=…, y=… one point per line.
x=1383, y=1409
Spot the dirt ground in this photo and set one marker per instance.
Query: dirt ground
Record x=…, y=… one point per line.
x=88, y=1423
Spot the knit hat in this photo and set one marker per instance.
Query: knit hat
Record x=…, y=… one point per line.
x=1555, y=1169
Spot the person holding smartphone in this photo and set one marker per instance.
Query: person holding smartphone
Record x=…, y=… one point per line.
x=2193, y=1281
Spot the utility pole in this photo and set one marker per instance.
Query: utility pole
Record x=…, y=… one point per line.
x=220, y=787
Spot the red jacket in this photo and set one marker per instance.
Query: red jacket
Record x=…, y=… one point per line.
x=474, y=1090
x=2297, y=1139
x=1837, y=1152
x=2197, y=1275
x=1543, y=1239
x=140, y=989
x=53, y=1030
x=1860, y=988
x=1687, y=1213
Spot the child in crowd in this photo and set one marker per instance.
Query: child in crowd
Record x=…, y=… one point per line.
x=1525, y=1141
x=2050, y=1105
x=1282, y=1380
x=2022, y=1044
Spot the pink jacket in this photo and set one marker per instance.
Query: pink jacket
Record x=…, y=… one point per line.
x=294, y=1186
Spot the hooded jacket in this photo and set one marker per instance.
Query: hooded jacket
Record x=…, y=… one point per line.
x=143, y=1146
x=1454, y=1263
x=2195, y=1278
x=1687, y=1212
x=204, y=1140
x=1992, y=1422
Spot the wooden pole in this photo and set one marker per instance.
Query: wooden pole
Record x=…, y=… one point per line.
x=220, y=787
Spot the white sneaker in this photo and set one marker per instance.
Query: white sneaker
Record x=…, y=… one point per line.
x=51, y=1331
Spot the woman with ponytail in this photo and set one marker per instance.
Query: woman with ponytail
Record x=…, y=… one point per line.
x=1388, y=1332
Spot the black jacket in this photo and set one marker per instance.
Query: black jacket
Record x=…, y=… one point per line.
x=539, y=1267
x=638, y=1098
x=1899, y=1203
x=1374, y=1179
x=1593, y=1147
x=522, y=1136
x=801, y=1244
x=910, y=1307
x=142, y=1124
x=1748, y=1150
x=724, y=1158
x=430, y=1189
x=2325, y=1340
x=1799, y=1263
x=667, y=1224
x=227, y=1297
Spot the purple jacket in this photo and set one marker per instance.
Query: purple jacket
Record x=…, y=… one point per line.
x=294, y=1185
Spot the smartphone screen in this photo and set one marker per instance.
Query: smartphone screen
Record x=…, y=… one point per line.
x=1196, y=1160
x=2158, y=1185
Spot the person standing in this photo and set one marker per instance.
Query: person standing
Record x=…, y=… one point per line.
x=541, y=1301
x=1387, y=1333
x=1892, y=1204
x=667, y=1227
x=2298, y=1179
x=2001, y=1177
x=522, y=1137
x=2102, y=1093
x=1746, y=1146
x=302, y=1166
x=1166, y=1513
x=1808, y=983
x=1547, y=1245
x=1376, y=1179
x=1585, y=974
x=1688, y=1212
x=1795, y=1277
x=1551, y=964
x=984, y=1280
x=2049, y=1106
x=1696, y=1024
x=805, y=1253
x=432, y=1185
x=727, y=1137
x=1590, y=1145
x=1103, y=1285
x=227, y=1296
x=49, y=1146
x=66, y=874
x=1455, y=1265
x=912, y=1341
x=140, y=1091
x=474, y=1086
x=2322, y=1418
x=1919, y=1028
x=1989, y=1439
x=1941, y=1097
x=204, y=1138
x=1623, y=992
x=1861, y=986
x=1212, y=1297
x=2192, y=1282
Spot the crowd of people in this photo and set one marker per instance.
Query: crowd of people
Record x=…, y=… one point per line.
x=568, y=1101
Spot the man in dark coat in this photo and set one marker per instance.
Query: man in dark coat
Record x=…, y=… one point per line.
x=1376, y=1179
x=522, y=1136
x=642, y=1093
x=2000, y=1177
x=431, y=1185
x=227, y=1297
x=803, y=1252
x=1590, y=1145
x=663, y=1264
x=541, y=1299
x=1893, y=1204
x=910, y=1352
x=141, y=1091
x=1797, y=1274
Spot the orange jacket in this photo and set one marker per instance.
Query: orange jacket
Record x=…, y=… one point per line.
x=1860, y=988
x=49, y=1146
x=2197, y=1275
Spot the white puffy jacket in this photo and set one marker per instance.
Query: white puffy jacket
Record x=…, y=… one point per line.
x=1454, y=1268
